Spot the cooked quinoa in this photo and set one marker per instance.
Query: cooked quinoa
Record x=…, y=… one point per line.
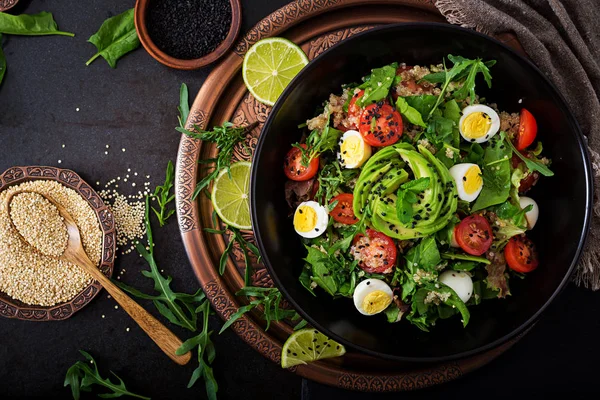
x=37, y=279
x=40, y=223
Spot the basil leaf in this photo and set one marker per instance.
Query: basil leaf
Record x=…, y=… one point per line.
x=412, y=115
x=378, y=84
x=30, y=25
x=115, y=38
x=2, y=61
x=532, y=164
x=495, y=174
x=417, y=185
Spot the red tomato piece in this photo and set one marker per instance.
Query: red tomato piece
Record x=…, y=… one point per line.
x=343, y=211
x=376, y=252
x=527, y=130
x=380, y=124
x=294, y=169
x=354, y=110
x=474, y=235
x=521, y=255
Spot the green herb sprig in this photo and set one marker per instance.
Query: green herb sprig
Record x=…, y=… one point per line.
x=181, y=309
x=163, y=196
x=270, y=299
x=407, y=196
x=531, y=163
x=81, y=377
x=115, y=38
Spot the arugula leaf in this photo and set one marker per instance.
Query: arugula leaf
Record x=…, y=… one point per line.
x=163, y=196
x=319, y=142
x=377, y=86
x=115, y=38
x=30, y=24
x=468, y=88
x=331, y=178
x=412, y=115
x=495, y=174
x=81, y=377
x=531, y=163
x=2, y=61
x=268, y=298
x=423, y=103
x=349, y=234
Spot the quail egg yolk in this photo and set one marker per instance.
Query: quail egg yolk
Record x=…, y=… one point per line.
x=476, y=125
x=305, y=219
x=352, y=150
x=472, y=180
x=376, y=302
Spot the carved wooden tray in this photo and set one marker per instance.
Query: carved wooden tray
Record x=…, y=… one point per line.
x=12, y=308
x=316, y=25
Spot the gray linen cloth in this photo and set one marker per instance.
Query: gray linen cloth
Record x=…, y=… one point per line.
x=563, y=40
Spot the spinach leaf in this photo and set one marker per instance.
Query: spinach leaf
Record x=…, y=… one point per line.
x=425, y=255
x=30, y=25
x=423, y=103
x=378, y=84
x=464, y=265
x=465, y=257
x=495, y=174
x=513, y=213
x=474, y=152
x=393, y=313
x=115, y=38
x=2, y=61
x=440, y=130
x=431, y=295
x=531, y=163
x=321, y=274
x=451, y=111
x=412, y=115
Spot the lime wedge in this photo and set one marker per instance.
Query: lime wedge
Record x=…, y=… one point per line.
x=230, y=195
x=307, y=345
x=269, y=65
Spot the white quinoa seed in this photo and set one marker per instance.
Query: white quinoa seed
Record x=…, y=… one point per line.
x=32, y=277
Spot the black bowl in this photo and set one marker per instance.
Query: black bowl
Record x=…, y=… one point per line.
x=564, y=199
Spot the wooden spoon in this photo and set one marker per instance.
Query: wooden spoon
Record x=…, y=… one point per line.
x=75, y=254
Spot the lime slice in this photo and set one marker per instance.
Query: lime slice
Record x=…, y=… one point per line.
x=307, y=345
x=230, y=195
x=269, y=65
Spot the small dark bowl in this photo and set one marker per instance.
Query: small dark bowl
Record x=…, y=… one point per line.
x=564, y=200
x=141, y=7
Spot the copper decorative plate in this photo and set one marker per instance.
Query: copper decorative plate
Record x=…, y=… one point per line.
x=6, y=4
x=315, y=25
x=12, y=308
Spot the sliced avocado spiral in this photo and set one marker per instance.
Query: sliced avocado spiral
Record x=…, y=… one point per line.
x=382, y=176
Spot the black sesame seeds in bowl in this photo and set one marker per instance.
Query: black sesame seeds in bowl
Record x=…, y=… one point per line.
x=187, y=34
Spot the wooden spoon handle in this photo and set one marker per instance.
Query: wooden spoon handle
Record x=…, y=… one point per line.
x=162, y=336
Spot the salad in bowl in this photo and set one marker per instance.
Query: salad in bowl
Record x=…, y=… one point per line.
x=408, y=191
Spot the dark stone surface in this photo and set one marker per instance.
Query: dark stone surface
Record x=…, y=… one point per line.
x=134, y=107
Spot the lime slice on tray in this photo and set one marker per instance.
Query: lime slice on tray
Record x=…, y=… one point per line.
x=230, y=195
x=307, y=345
x=269, y=66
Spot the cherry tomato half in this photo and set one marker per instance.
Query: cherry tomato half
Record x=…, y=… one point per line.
x=527, y=130
x=294, y=169
x=376, y=252
x=343, y=211
x=380, y=125
x=521, y=255
x=354, y=109
x=474, y=235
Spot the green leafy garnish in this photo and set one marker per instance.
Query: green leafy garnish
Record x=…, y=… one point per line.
x=30, y=25
x=465, y=257
x=531, y=163
x=163, y=196
x=412, y=115
x=115, y=38
x=81, y=377
x=319, y=141
x=206, y=354
x=331, y=179
x=423, y=103
x=495, y=174
x=407, y=196
x=184, y=106
x=180, y=309
x=377, y=86
x=268, y=298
